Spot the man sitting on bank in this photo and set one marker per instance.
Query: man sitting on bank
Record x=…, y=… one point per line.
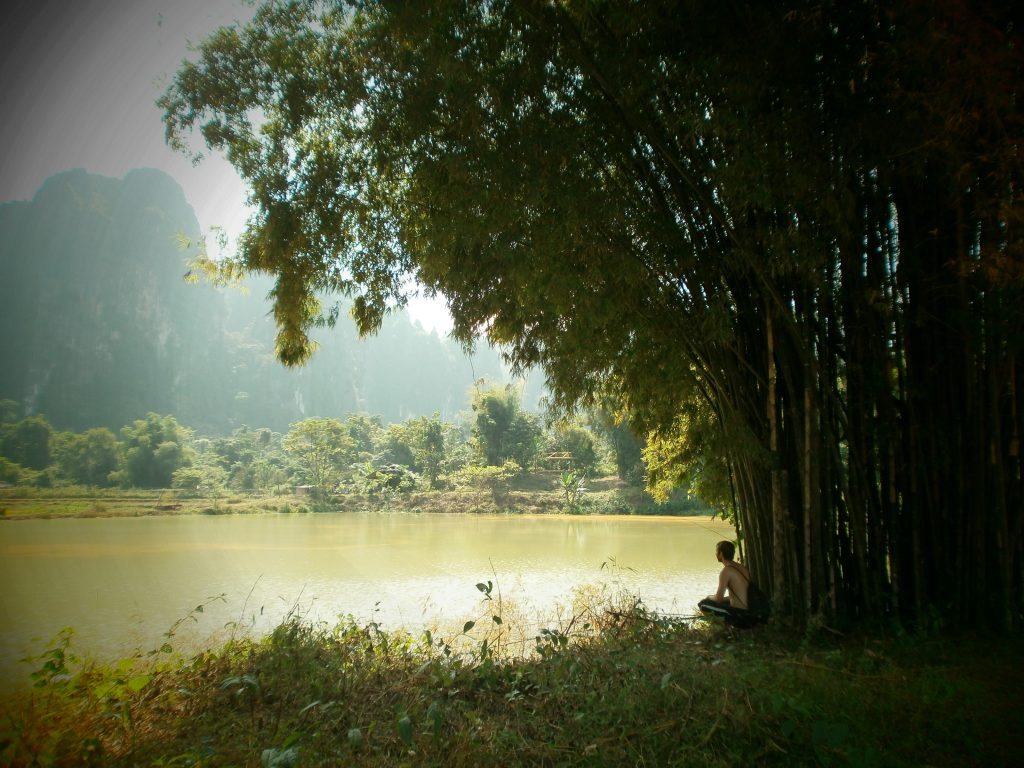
x=731, y=602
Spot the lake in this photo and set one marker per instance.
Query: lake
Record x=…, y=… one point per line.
x=121, y=583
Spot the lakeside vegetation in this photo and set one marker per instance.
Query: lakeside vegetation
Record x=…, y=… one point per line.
x=528, y=493
x=496, y=449
x=497, y=457
x=610, y=685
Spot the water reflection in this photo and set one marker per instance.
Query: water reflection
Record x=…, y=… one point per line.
x=121, y=583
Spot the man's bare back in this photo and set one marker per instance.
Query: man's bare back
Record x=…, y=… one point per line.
x=733, y=579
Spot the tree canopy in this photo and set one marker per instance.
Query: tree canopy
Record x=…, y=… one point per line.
x=322, y=448
x=154, y=448
x=786, y=234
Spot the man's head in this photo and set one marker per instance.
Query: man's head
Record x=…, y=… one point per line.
x=725, y=550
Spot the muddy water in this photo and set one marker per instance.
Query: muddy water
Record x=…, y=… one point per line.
x=121, y=583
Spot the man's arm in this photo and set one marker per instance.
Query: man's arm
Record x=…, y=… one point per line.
x=723, y=585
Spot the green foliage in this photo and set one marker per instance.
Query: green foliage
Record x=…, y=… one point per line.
x=263, y=473
x=27, y=442
x=366, y=432
x=88, y=458
x=609, y=683
x=691, y=454
x=14, y=474
x=396, y=447
x=44, y=478
x=388, y=479
x=502, y=430
x=419, y=444
x=322, y=448
x=153, y=448
x=402, y=457
x=253, y=459
x=488, y=478
x=573, y=486
x=576, y=440
x=626, y=446
x=57, y=662
x=201, y=479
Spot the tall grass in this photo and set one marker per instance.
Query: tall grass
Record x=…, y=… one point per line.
x=607, y=685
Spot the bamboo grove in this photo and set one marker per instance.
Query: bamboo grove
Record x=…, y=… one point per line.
x=784, y=237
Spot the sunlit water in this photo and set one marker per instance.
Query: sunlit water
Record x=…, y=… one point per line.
x=123, y=582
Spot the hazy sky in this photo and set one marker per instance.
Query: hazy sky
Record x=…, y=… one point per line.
x=78, y=82
x=78, y=85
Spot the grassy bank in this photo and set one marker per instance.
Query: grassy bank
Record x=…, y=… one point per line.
x=20, y=504
x=605, y=688
x=535, y=493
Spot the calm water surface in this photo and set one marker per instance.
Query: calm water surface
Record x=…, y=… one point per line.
x=122, y=582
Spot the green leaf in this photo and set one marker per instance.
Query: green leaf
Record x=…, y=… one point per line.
x=497, y=620
x=468, y=626
x=139, y=682
x=355, y=737
x=405, y=729
x=104, y=689
x=434, y=714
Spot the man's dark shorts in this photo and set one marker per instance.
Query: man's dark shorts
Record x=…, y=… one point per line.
x=735, y=617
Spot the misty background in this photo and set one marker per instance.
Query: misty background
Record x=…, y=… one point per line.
x=99, y=326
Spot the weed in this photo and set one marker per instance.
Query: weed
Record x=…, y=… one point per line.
x=607, y=683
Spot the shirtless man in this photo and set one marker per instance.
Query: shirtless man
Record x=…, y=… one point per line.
x=734, y=580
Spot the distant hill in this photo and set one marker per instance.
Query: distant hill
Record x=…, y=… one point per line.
x=99, y=327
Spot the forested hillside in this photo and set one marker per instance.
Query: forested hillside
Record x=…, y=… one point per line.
x=100, y=328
